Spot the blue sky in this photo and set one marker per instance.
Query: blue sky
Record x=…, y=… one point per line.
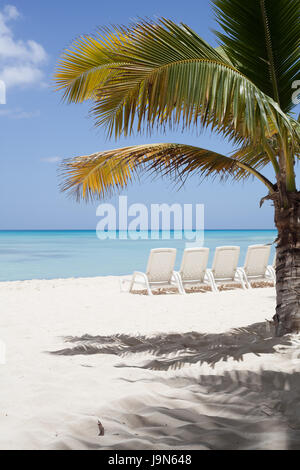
x=37, y=130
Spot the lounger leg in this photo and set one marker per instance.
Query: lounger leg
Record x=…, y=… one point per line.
x=182, y=289
x=215, y=287
x=132, y=282
x=148, y=286
x=179, y=283
x=271, y=273
x=248, y=283
x=241, y=279
x=246, y=280
x=212, y=282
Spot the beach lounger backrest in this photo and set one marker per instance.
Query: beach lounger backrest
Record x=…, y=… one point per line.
x=257, y=259
x=161, y=264
x=194, y=264
x=225, y=262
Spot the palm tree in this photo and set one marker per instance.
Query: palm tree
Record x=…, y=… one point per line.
x=158, y=74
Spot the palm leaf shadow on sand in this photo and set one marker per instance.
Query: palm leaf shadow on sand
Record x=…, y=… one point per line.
x=236, y=409
x=239, y=410
x=174, y=350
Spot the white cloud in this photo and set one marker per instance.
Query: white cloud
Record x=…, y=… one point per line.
x=11, y=12
x=20, y=60
x=51, y=159
x=18, y=113
x=21, y=75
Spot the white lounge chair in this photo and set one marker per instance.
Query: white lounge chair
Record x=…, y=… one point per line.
x=271, y=270
x=193, y=268
x=256, y=263
x=159, y=273
x=224, y=269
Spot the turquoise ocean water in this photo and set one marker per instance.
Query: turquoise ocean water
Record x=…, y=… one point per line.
x=63, y=254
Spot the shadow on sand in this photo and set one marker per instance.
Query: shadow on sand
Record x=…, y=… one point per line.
x=233, y=409
x=238, y=410
x=177, y=349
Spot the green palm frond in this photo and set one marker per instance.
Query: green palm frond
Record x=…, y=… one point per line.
x=254, y=156
x=262, y=39
x=87, y=64
x=187, y=93
x=165, y=74
x=97, y=175
x=159, y=74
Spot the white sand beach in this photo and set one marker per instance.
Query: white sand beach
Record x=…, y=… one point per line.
x=161, y=372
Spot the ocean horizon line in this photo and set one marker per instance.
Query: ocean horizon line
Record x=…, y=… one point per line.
x=149, y=231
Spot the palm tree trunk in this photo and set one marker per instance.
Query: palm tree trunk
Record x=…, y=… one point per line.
x=287, y=220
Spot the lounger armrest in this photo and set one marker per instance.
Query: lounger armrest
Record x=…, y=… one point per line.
x=178, y=281
x=241, y=270
x=209, y=273
x=211, y=280
x=176, y=276
x=123, y=280
x=271, y=272
x=139, y=273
